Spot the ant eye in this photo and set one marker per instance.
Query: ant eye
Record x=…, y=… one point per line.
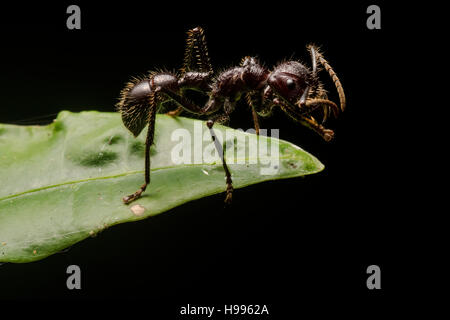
x=290, y=84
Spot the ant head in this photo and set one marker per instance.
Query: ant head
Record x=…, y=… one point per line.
x=289, y=81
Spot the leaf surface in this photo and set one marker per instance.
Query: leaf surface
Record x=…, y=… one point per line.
x=64, y=182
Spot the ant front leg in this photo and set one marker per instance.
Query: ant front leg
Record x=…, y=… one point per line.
x=251, y=102
x=254, y=77
x=326, y=134
x=148, y=144
x=312, y=104
x=315, y=103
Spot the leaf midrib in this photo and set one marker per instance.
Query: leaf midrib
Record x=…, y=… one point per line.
x=116, y=176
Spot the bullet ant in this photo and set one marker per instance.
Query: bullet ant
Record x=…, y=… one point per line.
x=291, y=86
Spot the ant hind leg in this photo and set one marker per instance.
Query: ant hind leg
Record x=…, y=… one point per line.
x=196, y=56
x=148, y=143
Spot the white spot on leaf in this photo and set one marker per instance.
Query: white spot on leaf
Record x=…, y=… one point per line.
x=137, y=210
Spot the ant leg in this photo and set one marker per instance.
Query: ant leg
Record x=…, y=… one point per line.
x=312, y=104
x=326, y=134
x=308, y=106
x=317, y=56
x=249, y=97
x=169, y=108
x=219, y=148
x=196, y=56
x=175, y=113
x=148, y=144
x=325, y=108
x=190, y=106
x=210, y=107
x=255, y=120
x=223, y=119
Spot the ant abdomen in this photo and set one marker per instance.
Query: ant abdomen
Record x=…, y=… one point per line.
x=138, y=93
x=133, y=104
x=134, y=99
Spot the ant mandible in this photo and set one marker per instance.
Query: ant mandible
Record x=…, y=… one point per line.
x=293, y=87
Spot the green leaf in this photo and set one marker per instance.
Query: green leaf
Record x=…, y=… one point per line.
x=64, y=182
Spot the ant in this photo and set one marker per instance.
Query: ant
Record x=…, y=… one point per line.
x=291, y=86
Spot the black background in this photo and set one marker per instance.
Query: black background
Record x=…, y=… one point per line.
x=295, y=245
